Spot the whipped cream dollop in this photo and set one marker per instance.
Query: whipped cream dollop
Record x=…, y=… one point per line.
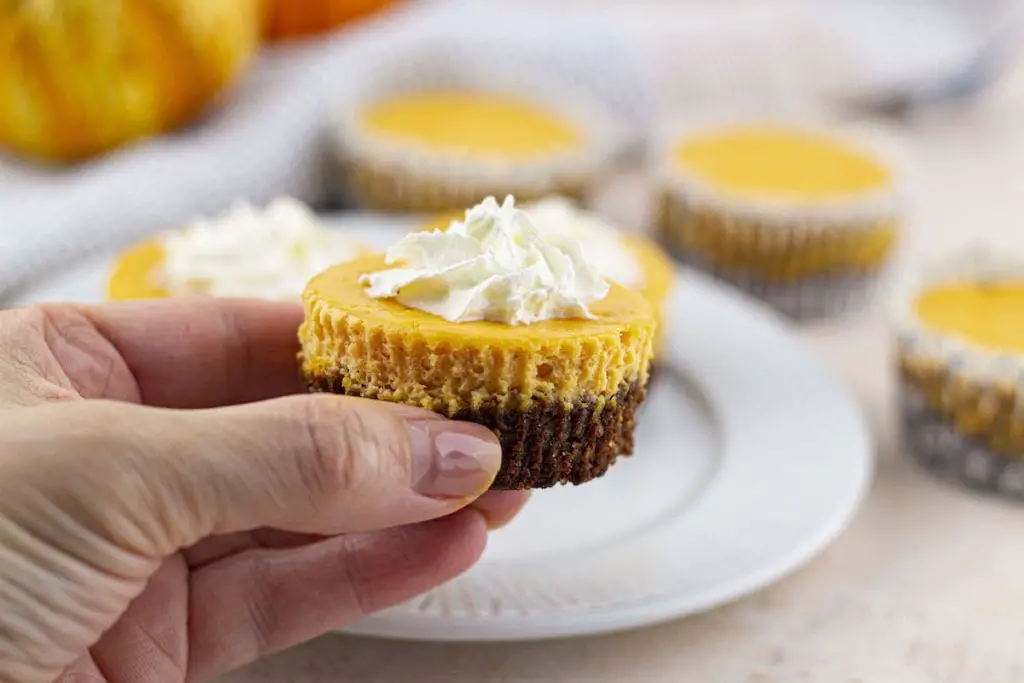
x=602, y=242
x=248, y=252
x=494, y=265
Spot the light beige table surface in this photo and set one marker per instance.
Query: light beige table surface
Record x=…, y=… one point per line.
x=926, y=585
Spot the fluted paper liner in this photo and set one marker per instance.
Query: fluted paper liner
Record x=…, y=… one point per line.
x=383, y=175
x=960, y=404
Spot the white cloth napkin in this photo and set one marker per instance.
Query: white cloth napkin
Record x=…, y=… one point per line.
x=268, y=137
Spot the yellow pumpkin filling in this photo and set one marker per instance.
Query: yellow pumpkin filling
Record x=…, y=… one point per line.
x=135, y=274
x=405, y=355
x=473, y=125
x=781, y=164
x=987, y=314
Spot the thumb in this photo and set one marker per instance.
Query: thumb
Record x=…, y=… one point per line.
x=153, y=481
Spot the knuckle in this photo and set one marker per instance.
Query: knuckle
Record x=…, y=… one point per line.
x=353, y=447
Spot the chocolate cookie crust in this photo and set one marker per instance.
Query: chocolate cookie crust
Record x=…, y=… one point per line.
x=549, y=443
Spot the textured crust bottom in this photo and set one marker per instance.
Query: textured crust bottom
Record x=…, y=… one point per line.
x=939, y=445
x=549, y=443
x=813, y=298
x=391, y=190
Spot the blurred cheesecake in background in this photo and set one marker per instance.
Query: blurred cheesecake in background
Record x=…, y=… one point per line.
x=81, y=78
x=246, y=252
x=447, y=145
x=960, y=361
x=804, y=218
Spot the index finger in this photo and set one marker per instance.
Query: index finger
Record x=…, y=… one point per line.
x=205, y=352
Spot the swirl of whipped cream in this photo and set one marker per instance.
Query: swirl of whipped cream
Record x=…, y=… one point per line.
x=602, y=242
x=495, y=265
x=246, y=252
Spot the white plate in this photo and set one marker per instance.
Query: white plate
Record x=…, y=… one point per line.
x=751, y=458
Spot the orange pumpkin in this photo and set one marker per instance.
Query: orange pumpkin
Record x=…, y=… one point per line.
x=80, y=77
x=288, y=19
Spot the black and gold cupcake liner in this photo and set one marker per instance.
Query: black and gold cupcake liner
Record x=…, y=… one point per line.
x=395, y=177
x=962, y=407
x=547, y=443
x=373, y=183
x=808, y=298
x=943, y=448
x=806, y=260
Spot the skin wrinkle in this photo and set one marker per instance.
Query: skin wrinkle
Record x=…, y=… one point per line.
x=16, y=672
x=29, y=365
x=211, y=477
x=314, y=476
x=103, y=670
x=178, y=505
x=331, y=476
x=91, y=549
x=355, y=577
x=206, y=474
x=228, y=362
x=221, y=546
x=19, y=630
x=70, y=575
x=255, y=577
x=120, y=518
x=86, y=667
x=96, y=370
x=79, y=677
x=170, y=572
x=246, y=355
x=55, y=599
x=336, y=437
x=263, y=617
x=90, y=361
x=168, y=658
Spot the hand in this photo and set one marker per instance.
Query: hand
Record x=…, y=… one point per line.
x=163, y=517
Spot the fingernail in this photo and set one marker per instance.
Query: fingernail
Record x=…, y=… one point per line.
x=452, y=459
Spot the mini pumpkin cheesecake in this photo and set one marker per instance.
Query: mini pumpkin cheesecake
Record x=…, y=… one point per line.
x=445, y=148
x=960, y=353
x=494, y=322
x=266, y=253
x=630, y=260
x=804, y=218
